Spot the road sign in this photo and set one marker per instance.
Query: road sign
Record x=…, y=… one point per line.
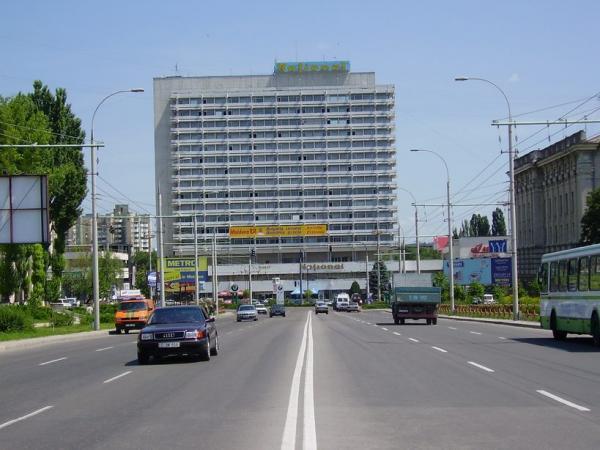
x=280, y=295
x=234, y=288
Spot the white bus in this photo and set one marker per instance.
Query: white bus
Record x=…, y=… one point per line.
x=570, y=292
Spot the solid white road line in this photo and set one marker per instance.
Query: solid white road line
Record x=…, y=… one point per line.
x=53, y=361
x=27, y=416
x=309, y=438
x=562, y=400
x=439, y=349
x=452, y=328
x=474, y=332
x=105, y=348
x=414, y=340
x=288, y=441
x=397, y=334
x=368, y=323
x=117, y=377
x=487, y=369
x=384, y=329
x=501, y=337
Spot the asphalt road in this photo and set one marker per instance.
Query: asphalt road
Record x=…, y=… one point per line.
x=336, y=381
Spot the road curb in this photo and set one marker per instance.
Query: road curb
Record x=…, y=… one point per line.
x=520, y=323
x=22, y=344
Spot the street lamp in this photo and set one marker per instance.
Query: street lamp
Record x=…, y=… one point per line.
x=416, y=228
x=451, y=256
x=95, y=276
x=513, y=205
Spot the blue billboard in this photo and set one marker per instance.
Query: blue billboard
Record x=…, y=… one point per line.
x=502, y=271
x=467, y=271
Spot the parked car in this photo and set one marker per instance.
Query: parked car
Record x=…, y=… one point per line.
x=352, y=307
x=488, y=299
x=65, y=303
x=247, y=312
x=178, y=330
x=321, y=307
x=277, y=310
x=261, y=309
x=476, y=301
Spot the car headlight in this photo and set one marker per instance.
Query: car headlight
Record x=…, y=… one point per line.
x=190, y=334
x=146, y=336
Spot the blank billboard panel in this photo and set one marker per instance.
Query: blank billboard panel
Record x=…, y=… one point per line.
x=23, y=209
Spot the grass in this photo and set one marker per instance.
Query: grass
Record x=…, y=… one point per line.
x=49, y=331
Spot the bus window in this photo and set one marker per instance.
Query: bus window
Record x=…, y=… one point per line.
x=562, y=276
x=553, y=276
x=572, y=275
x=584, y=274
x=543, y=278
x=595, y=273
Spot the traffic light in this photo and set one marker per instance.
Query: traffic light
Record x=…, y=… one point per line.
x=253, y=253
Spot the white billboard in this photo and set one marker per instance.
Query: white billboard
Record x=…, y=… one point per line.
x=23, y=209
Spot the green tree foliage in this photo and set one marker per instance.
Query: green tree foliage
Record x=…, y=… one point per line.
x=141, y=262
x=425, y=252
x=590, y=221
x=476, y=290
x=355, y=288
x=384, y=279
x=498, y=223
x=440, y=280
x=479, y=225
x=308, y=294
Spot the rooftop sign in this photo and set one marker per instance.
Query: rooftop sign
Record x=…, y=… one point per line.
x=278, y=230
x=312, y=66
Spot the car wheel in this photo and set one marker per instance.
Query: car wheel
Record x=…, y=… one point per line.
x=434, y=321
x=143, y=358
x=118, y=331
x=284, y=315
x=595, y=328
x=205, y=353
x=428, y=321
x=255, y=319
x=327, y=312
x=239, y=320
x=396, y=320
x=126, y=330
x=559, y=335
x=401, y=321
x=215, y=350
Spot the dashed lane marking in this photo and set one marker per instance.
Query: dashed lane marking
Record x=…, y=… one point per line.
x=563, y=401
x=105, y=348
x=396, y=333
x=53, y=361
x=487, y=369
x=27, y=416
x=412, y=339
x=439, y=349
x=117, y=377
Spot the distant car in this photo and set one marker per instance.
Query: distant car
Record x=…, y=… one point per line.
x=65, y=303
x=488, y=299
x=356, y=298
x=321, y=307
x=247, y=312
x=178, y=330
x=261, y=309
x=277, y=310
x=476, y=301
x=329, y=302
x=352, y=307
x=341, y=305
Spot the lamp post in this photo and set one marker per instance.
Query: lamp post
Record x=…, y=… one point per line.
x=451, y=255
x=95, y=276
x=513, y=205
x=367, y=272
x=416, y=228
x=401, y=253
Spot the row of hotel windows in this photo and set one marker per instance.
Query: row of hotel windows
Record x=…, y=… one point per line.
x=321, y=132
x=355, y=143
x=324, y=181
x=289, y=216
x=383, y=239
x=333, y=98
x=321, y=156
x=286, y=205
x=279, y=122
x=269, y=146
x=382, y=191
x=331, y=227
x=574, y=274
x=382, y=167
x=272, y=111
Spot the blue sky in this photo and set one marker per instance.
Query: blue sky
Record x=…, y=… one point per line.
x=542, y=53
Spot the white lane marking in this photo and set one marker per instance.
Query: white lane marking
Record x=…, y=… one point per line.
x=397, y=334
x=439, y=349
x=117, y=377
x=487, y=369
x=26, y=416
x=53, y=361
x=474, y=332
x=501, y=337
x=452, y=328
x=102, y=349
x=384, y=329
x=562, y=400
x=414, y=340
x=375, y=325
x=368, y=323
x=309, y=438
x=289, y=430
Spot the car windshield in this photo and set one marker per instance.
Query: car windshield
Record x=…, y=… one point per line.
x=247, y=308
x=176, y=315
x=132, y=306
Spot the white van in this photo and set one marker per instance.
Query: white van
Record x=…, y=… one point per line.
x=341, y=301
x=488, y=299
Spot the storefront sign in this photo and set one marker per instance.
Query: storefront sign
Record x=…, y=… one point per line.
x=312, y=66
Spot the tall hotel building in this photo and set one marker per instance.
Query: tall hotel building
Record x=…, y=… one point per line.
x=310, y=144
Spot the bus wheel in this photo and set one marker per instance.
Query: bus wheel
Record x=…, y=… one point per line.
x=559, y=335
x=595, y=329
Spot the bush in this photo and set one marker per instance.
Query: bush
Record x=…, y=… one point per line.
x=40, y=312
x=61, y=319
x=86, y=319
x=14, y=319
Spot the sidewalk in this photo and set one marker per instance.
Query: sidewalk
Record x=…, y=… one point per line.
x=514, y=323
x=22, y=344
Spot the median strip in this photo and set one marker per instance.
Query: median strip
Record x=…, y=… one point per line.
x=563, y=401
x=27, y=416
x=487, y=369
x=53, y=361
x=117, y=377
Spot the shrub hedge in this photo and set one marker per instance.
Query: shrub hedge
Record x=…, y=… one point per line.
x=14, y=319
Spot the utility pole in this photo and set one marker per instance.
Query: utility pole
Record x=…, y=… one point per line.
x=215, y=280
x=367, y=272
x=252, y=253
x=161, y=256
x=150, y=255
x=196, y=279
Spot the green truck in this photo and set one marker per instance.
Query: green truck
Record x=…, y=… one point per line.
x=416, y=303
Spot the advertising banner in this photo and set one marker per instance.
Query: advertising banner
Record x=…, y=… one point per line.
x=466, y=271
x=277, y=231
x=179, y=273
x=502, y=271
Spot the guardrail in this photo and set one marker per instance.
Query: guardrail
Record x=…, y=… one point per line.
x=526, y=312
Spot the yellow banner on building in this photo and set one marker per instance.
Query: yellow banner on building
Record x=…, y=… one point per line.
x=277, y=231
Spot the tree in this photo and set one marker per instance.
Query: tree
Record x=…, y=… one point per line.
x=590, y=221
x=476, y=290
x=465, y=230
x=308, y=294
x=440, y=280
x=498, y=223
x=141, y=260
x=479, y=225
x=355, y=288
x=384, y=279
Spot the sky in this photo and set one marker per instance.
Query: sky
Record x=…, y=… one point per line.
x=541, y=53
